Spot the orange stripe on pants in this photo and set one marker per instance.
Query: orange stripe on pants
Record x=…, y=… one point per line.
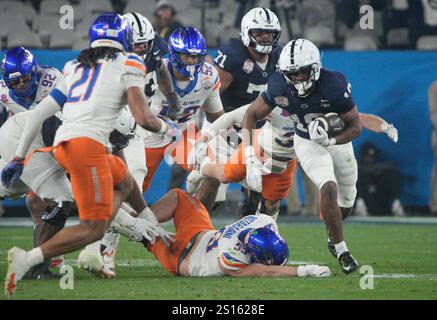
x=93, y=175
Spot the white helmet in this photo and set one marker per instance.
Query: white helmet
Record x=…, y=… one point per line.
x=142, y=31
x=125, y=122
x=300, y=56
x=260, y=19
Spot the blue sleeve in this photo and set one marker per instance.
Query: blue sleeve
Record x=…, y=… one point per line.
x=226, y=59
x=344, y=101
x=275, y=88
x=59, y=97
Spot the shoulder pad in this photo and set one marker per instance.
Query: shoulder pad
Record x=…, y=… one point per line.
x=133, y=64
x=333, y=84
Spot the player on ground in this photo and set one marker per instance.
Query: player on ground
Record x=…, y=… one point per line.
x=251, y=246
x=94, y=89
x=307, y=91
x=197, y=84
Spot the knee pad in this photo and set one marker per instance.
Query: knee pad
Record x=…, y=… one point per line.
x=58, y=215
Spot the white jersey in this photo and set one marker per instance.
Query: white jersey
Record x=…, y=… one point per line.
x=202, y=92
x=277, y=134
x=224, y=245
x=95, y=96
x=49, y=78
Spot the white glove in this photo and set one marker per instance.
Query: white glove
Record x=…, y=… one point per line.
x=166, y=236
x=318, y=134
x=197, y=153
x=313, y=270
x=254, y=169
x=390, y=131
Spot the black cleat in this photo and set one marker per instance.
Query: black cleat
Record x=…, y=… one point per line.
x=331, y=248
x=40, y=272
x=347, y=262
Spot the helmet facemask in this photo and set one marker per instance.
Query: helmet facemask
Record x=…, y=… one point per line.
x=143, y=49
x=263, y=48
x=303, y=79
x=186, y=69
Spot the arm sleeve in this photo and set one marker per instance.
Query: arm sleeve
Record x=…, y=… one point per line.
x=213, y=103
x=45, y=109
x=226, y=120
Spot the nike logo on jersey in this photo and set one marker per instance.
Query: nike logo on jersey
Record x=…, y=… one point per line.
x=197, y=90
x=156, y=52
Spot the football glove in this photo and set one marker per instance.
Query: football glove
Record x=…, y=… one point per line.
x=318, y=134
x=254, y=169
x=313, y=270
x=12, y=172
x=390, y=131
x=197, y=153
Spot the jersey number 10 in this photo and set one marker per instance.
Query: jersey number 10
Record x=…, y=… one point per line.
x=85, y=83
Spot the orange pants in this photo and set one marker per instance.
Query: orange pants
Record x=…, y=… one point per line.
x=179, y=152
x=93, y=175
x=274, y=186
x=190, y=218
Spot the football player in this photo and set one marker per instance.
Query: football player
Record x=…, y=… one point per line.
x=274, y=144
x=251, y=246
x=25, y=83
x=307, y=91
x=93, y=90
x=197, y=84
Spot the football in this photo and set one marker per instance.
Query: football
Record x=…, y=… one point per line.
x=332, y=123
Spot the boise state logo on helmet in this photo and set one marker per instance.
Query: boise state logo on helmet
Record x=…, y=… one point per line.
x=111, y=30
x=20, y=63
x=188, y=41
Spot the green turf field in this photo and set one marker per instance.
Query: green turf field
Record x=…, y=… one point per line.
x=404, y=258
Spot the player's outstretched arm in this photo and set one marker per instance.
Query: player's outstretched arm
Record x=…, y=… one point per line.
x=261, y=270
x=165, y=85
x=257, y=111
x=379, y=125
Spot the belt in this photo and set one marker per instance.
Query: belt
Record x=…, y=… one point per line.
x=186, y=250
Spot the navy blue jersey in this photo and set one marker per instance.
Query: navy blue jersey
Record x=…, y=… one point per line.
x=48, y=130
x=153, y=63
x=332, y=94
x=249, y=79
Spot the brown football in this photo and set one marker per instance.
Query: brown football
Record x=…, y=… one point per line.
x=332, y=123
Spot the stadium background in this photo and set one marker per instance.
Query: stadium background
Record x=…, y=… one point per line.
x=391, y=84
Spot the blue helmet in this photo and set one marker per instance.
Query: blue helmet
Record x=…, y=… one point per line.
x=111, y=30
x=18, y=63
x=187, y=40
x=265, y=246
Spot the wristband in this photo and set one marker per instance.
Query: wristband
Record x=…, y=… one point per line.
x=332, y=142
x=163, y=126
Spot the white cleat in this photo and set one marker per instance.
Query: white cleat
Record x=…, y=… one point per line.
x=92, y=261
x=17, y=267
x=194, y=180
x=57, y=262
x=110, y=250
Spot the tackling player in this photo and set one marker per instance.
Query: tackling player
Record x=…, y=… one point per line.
x=94, y=89
x=306, y=90
x=251, y=246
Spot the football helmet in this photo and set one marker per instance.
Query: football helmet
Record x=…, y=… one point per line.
x=190, y=41
x=124, y=130
x=260, y=19
x=300, y=64
x=265, y=246
x=19, y=65
x=111, y=30
x=143, y=33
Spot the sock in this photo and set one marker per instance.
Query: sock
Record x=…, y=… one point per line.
x=34, y=257
x=340, y=248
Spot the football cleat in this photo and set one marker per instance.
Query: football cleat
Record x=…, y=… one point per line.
x=109, y=251
x=57, y=262
x=347, y=262
x=91, y=260
x=17, y=267
x=331, y=248
x=40, y=272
